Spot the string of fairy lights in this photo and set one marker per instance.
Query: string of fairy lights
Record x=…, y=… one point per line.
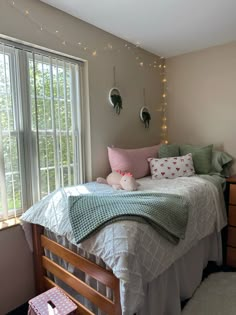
x=81, y=45
x=163, y=108
x=109, y=48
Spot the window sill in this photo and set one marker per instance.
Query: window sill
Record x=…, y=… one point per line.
x=9, y=223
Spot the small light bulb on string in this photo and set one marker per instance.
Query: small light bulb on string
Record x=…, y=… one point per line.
x=41, y=28
x=26, y=12
x=85, y=48
x=164, y=127
x=154, y=66
x=64, y=43
x=13, y=3
x=164, y=118
x=94, y=53
x=160, y=66
x=79, y=43
x=141, y=64
x=110, y=46
x=164, y=95
x=56, y=31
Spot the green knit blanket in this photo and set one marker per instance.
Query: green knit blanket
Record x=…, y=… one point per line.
x=167, y=213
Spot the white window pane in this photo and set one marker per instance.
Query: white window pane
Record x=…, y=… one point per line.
x=39, y=126
x=52, y=121
x=11, y=186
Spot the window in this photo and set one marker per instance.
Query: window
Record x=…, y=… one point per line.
x=40, y=138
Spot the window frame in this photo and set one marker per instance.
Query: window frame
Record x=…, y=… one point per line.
x=24, y=131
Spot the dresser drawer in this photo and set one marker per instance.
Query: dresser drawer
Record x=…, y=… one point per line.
x=232, y=215
x=232, y=194
x=231, y=256
x=231, y=236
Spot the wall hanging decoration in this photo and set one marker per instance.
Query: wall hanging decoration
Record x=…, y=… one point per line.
x=144, y=113
x=115, y=98
x=145, y=116
x=164, y=128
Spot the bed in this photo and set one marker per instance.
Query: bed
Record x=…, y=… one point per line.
x=142, y=272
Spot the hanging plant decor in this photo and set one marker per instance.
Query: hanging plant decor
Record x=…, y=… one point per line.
x=115, y=99
x=114, y=95
x=145, y=116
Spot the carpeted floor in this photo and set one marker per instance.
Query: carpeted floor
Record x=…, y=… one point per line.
x=215, y=296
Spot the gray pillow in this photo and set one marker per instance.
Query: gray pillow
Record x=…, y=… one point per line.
x=221, y=162
x=168, y=150
x=202, y=157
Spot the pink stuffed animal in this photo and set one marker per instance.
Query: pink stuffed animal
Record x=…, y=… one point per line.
x=120, y=180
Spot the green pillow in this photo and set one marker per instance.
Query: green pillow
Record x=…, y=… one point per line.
x=221, y=161
x=202, y=157
x=168, y=150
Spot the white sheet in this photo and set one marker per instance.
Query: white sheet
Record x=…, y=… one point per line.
x=134, y=251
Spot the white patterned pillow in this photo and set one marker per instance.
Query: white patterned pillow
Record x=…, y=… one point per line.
x=172, y=167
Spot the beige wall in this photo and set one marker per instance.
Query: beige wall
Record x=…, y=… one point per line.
x=106, y=127
x=16, y=269
x=202, y=97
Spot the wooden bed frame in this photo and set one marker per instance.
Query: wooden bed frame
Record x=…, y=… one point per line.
x=43, y=264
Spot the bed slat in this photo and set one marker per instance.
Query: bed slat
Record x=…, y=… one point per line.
x=104, y=276
x=39, y=272
x=92, y=295
x=81, y=310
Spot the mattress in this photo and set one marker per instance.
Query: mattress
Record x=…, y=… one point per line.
x=135, y=252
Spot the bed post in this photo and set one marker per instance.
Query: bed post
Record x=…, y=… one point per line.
x=39, y=272
x=117, y=297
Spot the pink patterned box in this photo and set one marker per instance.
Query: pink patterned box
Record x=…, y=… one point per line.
x=51, y=302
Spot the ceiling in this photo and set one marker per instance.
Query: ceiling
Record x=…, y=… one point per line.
x=164, y=27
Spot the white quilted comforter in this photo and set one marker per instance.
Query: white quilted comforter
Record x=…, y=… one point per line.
x=133, y=250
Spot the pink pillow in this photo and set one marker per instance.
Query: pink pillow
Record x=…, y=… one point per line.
x=132, y=160
x=172, y=167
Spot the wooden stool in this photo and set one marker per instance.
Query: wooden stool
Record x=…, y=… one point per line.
x=51, y=302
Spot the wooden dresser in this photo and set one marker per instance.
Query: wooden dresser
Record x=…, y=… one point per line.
x=231, y=207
